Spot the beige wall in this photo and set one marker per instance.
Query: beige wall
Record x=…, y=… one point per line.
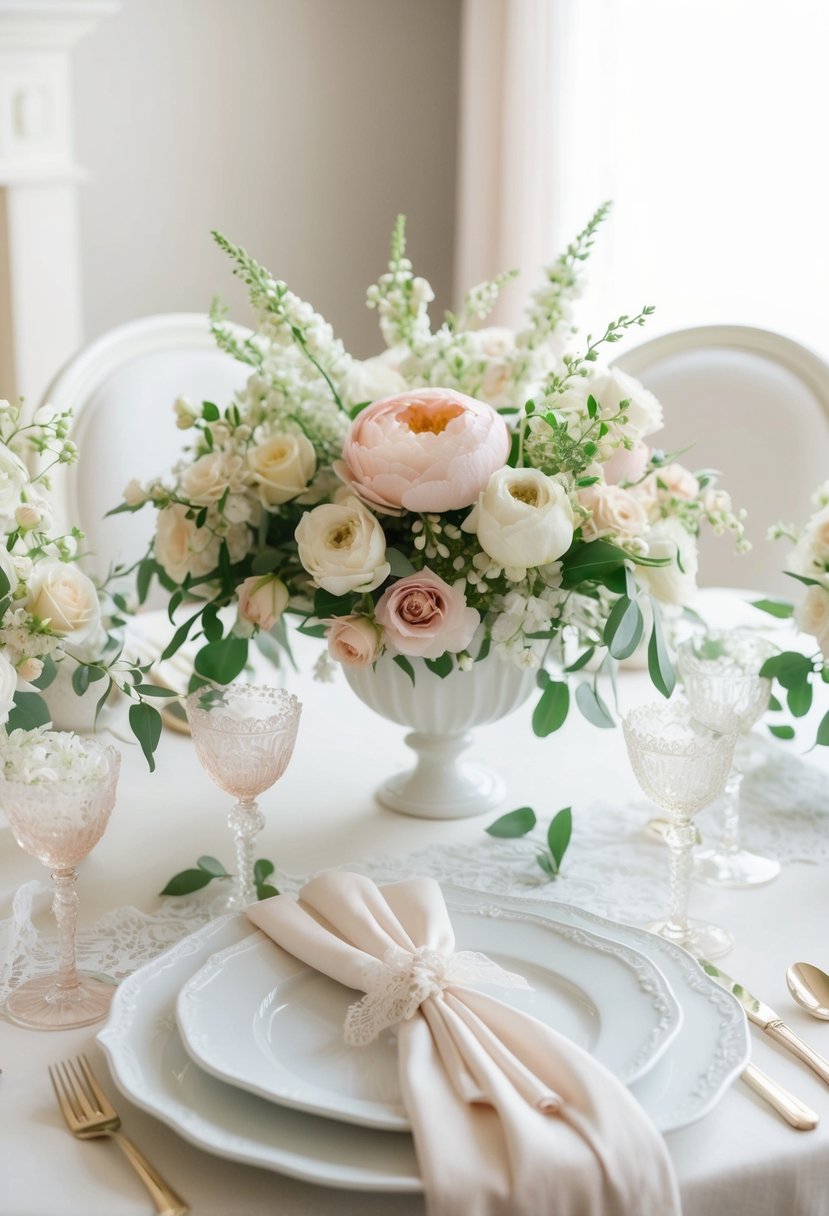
x=298, y=127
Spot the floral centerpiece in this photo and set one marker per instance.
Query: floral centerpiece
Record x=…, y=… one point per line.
x=471, y=490
x=51, y=614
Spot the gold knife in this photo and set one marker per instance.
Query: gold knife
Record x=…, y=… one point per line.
x=765, y=1017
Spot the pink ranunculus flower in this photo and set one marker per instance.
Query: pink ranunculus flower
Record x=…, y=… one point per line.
x=430, y=449
x=627, y=464
x=421, y=615
x=353, y=640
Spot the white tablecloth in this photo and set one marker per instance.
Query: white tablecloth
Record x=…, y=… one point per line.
x=740, y=1159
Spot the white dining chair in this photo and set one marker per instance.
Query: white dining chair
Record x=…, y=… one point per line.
x=121, y=389
x=754, y=405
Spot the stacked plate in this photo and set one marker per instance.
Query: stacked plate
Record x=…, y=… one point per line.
x=239, y=1047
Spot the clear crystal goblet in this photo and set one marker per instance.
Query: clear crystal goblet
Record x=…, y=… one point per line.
x=244, y=737
x=723, y=687
x=682, y=765
x=59, y=822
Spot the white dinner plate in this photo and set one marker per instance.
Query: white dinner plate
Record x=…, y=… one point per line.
x=152, y=1069
x=257, y=1017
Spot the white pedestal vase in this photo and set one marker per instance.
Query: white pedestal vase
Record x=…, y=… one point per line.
x=440, y=713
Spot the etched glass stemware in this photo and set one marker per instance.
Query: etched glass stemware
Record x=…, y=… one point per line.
x=724, y=690
x=58, y=813
x=244, y=737
x=682, y=765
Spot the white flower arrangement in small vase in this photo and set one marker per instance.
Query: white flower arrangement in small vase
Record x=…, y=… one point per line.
x=472, y=495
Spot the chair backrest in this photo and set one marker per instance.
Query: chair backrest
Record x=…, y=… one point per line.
x=121, y=389
x=754, y=405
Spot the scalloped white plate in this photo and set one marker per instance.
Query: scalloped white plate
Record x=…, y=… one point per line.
x=257, y=1017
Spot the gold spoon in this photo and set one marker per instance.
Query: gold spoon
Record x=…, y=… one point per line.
x=810, y=988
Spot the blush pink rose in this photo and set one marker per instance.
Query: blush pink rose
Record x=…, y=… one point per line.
x=431, y=449
x=627, y=464
x=353, y=640
x=422, y=615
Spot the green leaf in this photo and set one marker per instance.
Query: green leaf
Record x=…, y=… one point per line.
x=782, y=732
x=515, y=823
x=799, y=698
x=326, y=604
x=264, y=890
x=802, y=578
x=155, y=690
x=145, y=724
x=80, y=680
x=5, y=585
x=624, y=628
x=179, y=637
x=559, y=833
x=222, y=661
x=210, y=412
x=547, y=864
x=592, y=561
x=440, y=667
x=312, y=631
x=187, y=881
x=593, y=707
x=266, y=562
x=582, y=660
x=484, y=651
x=404, y=665
x=823, y=731
x=50, y=670
x=789, y=668
x=660, y=666
x=774, y=704
x=778, y=608
x=146, y=570
x=551, y=711
x=29, y=712
x=212, y=866
x=262, y=870
x=400, y=564
x=211, y=624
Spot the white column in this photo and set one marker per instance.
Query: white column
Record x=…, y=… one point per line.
x=40, y=284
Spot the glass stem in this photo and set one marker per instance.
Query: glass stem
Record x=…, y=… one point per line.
x=65, y=908
x=730, y=834
x=680, y=838
x=246, y=822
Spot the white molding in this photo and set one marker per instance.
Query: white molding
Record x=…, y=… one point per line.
x=50, y=24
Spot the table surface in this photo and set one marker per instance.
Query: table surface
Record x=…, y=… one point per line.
x=741, y=1158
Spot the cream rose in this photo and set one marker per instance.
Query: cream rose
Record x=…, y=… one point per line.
x=8, y=687
x=343, y=547
x=676, y=480
x=64, y=596
x=613, y=512
x=282, y=467
x=812, y=615
x=353, y=640
x=205, y=481
x=522, y=519
x=262, y=600
x=181, y=547
x=676, y=582
x=134, y=494
x=611, y=387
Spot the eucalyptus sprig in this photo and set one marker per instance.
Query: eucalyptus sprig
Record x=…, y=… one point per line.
x=522, y=821
x=207, y=868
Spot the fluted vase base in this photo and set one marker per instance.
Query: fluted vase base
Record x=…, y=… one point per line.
x=439, y=786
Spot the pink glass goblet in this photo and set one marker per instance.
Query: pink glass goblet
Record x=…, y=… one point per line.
x=244, y=737
x=59, y=821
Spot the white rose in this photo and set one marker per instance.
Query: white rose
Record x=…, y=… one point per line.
x=523, y=518
x=343, y=547
x=30, y=668
x=677, y=481
x=812, y=616
x=13, y=477
x=205, y=481
x=613, y=512
x=371, y=379
x=675, y=583
x=282, y=467
x=62, y=594
x=811, y=555
x=181, y=547
x=611, y=387
x=8, y=687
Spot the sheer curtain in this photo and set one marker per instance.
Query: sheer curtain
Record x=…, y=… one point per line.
x=704, y=121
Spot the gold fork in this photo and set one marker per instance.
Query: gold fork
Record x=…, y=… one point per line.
x=89, y=1114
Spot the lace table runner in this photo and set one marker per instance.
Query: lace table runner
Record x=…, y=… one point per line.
x=613, y=868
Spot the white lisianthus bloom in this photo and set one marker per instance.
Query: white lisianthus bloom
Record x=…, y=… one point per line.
x=181, y=547
x=63, y=595
x=282, y=467
x=13, y=477
x=8, y=687
x=522, y=519
x=343, y=547
x=812, y=615
x=676, y=582
x=371, y=379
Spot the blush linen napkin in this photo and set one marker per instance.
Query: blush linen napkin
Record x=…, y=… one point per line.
x=509, y=1117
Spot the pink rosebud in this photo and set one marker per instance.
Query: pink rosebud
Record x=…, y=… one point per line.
x=431, y=449
x=422, y=615
x=627, y=464
x=353, y=640
x=262, y=600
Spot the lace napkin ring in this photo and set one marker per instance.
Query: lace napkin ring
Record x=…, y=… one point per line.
x=400, y=983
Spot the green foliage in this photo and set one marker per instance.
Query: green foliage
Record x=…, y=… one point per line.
x=207, y=868
x=551, y=711
x=29, y=712
x=145, y=723
x=624, y=628
x=440, y=667
x=660, y=667
x=404, y=665
x=593, y=707
x=513, y=824
x=519, y=822
x=223, y=660
x=778, y=608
